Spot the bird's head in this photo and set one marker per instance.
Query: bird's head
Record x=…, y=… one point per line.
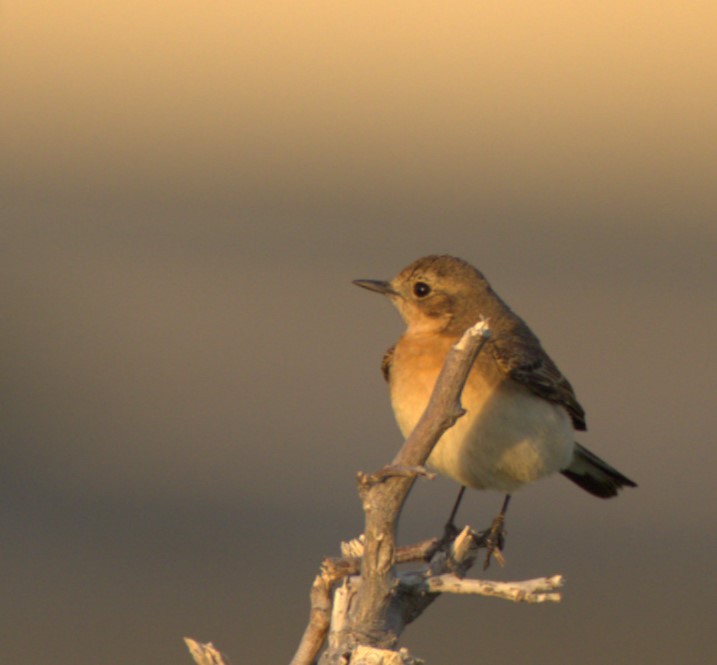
x=435, y=294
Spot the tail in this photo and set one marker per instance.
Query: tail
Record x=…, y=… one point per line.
x=595, y=476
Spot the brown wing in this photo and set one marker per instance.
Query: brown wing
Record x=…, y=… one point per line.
x=523, y=359
x=386, y=363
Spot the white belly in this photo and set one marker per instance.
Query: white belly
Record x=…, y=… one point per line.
x=508, y=437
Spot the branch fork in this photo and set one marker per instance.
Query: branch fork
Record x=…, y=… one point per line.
x=360, y=603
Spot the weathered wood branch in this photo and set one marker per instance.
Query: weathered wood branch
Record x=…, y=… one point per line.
x=372, y=618
x=360, y=604
x=333, y=571
x=379, y=612
x=350, y=564
x=540, y=590
x=204, y=654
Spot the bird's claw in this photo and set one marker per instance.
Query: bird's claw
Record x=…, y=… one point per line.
x=494, y=540
x=450, y=531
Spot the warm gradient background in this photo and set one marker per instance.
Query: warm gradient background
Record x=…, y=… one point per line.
x=190, y=381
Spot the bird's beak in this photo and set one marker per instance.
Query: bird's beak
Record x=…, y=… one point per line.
x=376, y=285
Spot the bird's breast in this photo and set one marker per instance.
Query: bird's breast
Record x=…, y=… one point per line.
x=416, y=364
x=508, y=437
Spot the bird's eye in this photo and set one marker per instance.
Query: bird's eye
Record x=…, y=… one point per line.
x=421, y=289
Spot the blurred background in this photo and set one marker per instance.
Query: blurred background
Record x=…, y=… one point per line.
x=190, y=381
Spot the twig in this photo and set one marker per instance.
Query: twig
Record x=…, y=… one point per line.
x=319, y=621
x=382, y=502
x=338, y=567
x=540, y=590
x=370, y=611
x=393, y=471
x=204, y=654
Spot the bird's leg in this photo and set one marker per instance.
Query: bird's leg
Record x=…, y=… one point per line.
x=449, y=530
x=495, y=536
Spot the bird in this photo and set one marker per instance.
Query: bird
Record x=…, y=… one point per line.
x=521, y=413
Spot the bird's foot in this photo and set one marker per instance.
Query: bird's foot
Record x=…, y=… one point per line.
x=494, y=541
x=450, y=532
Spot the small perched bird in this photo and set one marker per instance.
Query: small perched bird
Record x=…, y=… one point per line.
x=521, y=412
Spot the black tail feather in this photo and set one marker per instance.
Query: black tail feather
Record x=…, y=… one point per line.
x=595, y=475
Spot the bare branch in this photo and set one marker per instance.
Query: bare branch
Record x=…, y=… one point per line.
x=393, y=471
x=319, y=621
x=204, y=654
x=363, y=615
x=383, y=495
x=364, y=655
x=540, y=590
x=383, y=502
x=350, y=563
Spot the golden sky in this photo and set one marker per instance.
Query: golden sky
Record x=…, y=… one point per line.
x=253, y=100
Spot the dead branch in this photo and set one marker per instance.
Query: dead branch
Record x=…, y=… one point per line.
x=380, y=610
x=360, y=604
x=204, y=654
x=540, y=590
x=374, y=617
